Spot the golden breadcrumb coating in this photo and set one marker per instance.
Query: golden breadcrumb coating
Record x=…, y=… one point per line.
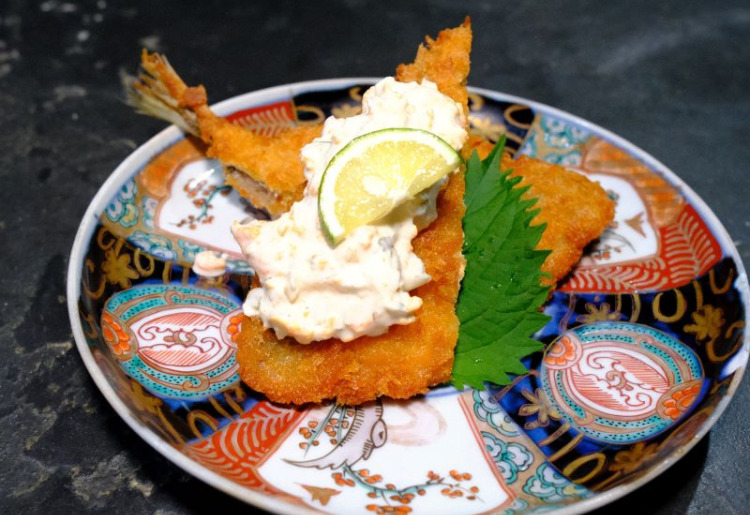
x=271, y=162
x=445, y=61
x=405, y=361
x=266, y=169
x=408, y=359
x=575, y=208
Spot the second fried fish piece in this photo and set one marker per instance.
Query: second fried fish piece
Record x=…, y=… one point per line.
x=264, y=169
x=576, y=209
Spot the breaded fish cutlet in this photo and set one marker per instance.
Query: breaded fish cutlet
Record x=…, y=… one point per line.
x=401, y=363
x=408, y=359
x=264, y=169
x=575, y=209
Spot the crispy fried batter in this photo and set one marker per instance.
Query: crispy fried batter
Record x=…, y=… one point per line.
x=274, y=178
x=575, y=209
x=266, y=169
x=408, y=359
x=271, y=164
x=482, y=145
x=404, y=362
x=445, y=61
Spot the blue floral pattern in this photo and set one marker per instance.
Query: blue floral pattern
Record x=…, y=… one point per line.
x=510, y=458
x=148, y=206
x=157, y=246
x=189, y=250
x=487, y=410
x=572, y=158
x=555, y=141
x=122, y=210
x=549, y=486
x=515, y=507
x=560, y=134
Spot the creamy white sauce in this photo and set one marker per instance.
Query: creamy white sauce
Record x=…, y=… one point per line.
x=311, y=290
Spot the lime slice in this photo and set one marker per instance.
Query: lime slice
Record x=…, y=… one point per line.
x=376, y=172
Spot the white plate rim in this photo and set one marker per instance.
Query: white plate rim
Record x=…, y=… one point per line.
x=168, y=136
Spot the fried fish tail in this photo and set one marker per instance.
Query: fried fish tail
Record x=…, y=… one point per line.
x=265, y=169
x=158, y=91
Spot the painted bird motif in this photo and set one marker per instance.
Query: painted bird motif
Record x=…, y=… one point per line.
x=367, y=432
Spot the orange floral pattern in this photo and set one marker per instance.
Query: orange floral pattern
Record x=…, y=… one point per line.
x=562, y=353
x=115, y=336
x=679, y=401
x=387, y=496
x=233, y=329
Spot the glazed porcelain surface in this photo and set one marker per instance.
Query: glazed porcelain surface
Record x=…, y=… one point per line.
x=645, y=346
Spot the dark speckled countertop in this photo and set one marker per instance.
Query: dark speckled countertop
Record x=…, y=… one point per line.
x=673, y=77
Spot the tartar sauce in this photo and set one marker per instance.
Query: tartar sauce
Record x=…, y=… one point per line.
x=311, y=290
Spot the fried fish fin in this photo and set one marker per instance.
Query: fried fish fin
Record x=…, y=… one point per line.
x=405, y=361
x=445, y=61
x=266, y=169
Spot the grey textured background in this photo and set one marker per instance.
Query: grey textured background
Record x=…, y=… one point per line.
x=673, y=77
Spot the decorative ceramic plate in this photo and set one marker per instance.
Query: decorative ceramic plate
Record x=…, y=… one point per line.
x=645, y=347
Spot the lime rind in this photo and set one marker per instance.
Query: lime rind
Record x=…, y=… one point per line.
x=446, y=159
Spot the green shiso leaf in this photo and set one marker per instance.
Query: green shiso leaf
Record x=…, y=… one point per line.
x=498, y=306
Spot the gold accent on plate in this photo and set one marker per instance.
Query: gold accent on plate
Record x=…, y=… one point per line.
x=679, y=309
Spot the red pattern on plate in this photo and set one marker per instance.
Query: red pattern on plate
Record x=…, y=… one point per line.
x=267, y=120
x=239, y=449
x=687, y=250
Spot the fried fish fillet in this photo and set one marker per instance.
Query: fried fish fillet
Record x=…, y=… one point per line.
x=445, y=61
x=408, y=359
x=264, y=169
x=575, y=209
x=401, y=363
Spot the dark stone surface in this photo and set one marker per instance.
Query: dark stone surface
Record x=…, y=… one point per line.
x=672, y=76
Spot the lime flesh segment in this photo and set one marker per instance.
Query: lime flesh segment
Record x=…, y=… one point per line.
x=376, y=172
